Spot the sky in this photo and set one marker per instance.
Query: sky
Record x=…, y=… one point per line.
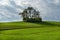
x=10, y=9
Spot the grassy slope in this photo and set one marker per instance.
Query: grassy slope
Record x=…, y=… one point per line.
x=13, y=25
x=30, y=31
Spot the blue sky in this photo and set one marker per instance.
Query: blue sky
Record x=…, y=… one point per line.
x=49, y=9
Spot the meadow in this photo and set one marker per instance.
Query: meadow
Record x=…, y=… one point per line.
x=30, y=31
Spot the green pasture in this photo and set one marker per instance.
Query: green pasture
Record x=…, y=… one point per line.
x=30, y=31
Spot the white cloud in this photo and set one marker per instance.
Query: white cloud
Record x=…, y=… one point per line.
x=5, y=14
x=4, y=2
x=57, y=1
x=40, y=5
x=0, y=17
x=46, y=7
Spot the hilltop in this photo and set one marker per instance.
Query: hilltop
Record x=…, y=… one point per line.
x=30, y=31
x=19, y=25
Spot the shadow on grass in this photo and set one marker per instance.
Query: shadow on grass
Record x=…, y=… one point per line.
x=46, y=23
x=42, y=23
x=17, y=28
x=50, y=24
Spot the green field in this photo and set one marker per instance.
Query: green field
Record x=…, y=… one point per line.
x=30, y=31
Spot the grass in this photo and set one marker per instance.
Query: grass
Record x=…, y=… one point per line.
x=30, y=31
x=20, y=25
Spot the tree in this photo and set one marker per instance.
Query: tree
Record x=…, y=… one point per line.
x=31, y=15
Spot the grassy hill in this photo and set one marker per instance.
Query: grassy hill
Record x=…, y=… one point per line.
x=30, y=31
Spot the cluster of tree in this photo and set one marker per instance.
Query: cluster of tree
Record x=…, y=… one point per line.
x=31, y=15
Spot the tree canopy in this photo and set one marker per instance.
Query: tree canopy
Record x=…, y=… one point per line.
x=30, y=14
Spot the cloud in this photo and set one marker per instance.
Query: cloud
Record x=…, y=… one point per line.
x=49, y=9
x=4, y=2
